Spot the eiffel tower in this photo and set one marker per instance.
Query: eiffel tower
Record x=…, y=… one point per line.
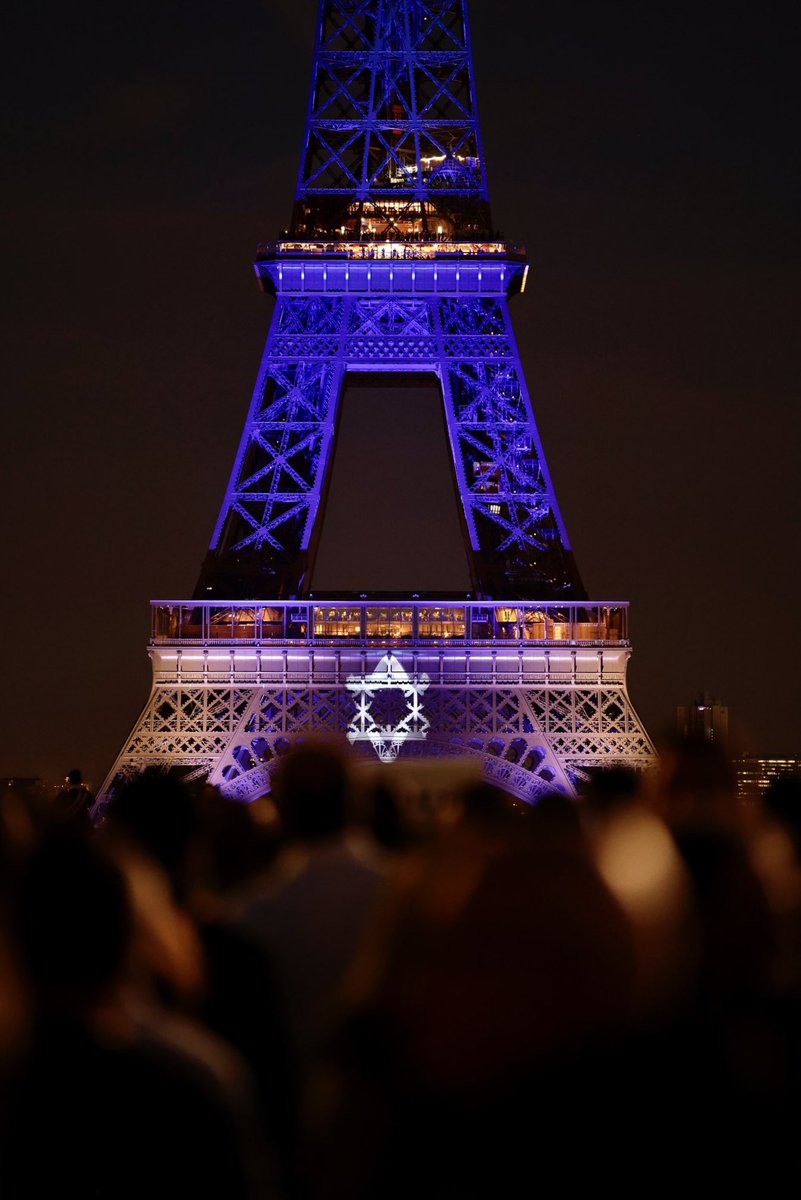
x=390, y=265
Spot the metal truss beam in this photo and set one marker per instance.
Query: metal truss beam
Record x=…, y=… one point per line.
x=272, y=509
x=538, y=719
x=390, y=266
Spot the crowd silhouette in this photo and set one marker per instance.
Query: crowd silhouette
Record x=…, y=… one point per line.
x=331, y=993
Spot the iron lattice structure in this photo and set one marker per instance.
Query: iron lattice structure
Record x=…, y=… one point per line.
x=392, y=132
x=390, y=267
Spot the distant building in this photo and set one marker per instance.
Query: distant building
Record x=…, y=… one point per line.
x=19, y=783
x=755, y=775
x=704, y=718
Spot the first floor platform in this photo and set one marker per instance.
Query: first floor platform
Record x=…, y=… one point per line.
x=538, y=702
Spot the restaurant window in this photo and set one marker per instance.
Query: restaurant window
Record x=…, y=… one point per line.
x=441, y=622
x=389, y=623
x=534, y=625
x=272, y=622
x=297, y=624
x=506, y=620
x=245, y=623
x=221, y=622
x=191, y=621
x=337, y=622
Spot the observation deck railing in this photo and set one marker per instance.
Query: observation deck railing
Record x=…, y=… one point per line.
x=384, y=248
x=366, y=622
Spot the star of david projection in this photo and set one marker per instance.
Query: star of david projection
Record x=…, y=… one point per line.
x=389, y=708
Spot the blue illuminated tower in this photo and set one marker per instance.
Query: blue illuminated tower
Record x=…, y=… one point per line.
x=390, y=265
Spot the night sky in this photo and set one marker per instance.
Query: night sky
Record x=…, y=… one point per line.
x=648, y=157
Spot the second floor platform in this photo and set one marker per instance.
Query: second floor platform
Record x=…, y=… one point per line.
x=368, y=622
x=420, y=267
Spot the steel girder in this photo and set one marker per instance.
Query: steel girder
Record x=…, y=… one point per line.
x=273, y=505
x=392, y=128
x=530, y=736
x=391, y=267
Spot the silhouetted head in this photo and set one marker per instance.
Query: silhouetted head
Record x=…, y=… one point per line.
x=782, y=801
x=386, y=821
x=555, y=817
x=234, y=840
x=697, y=764
x=75, y=778
x=73, y=922
x=311, y=791
x=487, y=806
x=697, y=785
x=611, y=789
x=158, y=813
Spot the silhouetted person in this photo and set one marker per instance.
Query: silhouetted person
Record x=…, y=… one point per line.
x=197, y=838
x=720, y=1071
x=14, y=1000
x=782, y=802
x=310, y=910
x=72, y=806
x=158, y=814
x=609, y=791
x=498, y=959
x=100, y=1109
x=697, y=794
x=385, y=819
x=697, y=786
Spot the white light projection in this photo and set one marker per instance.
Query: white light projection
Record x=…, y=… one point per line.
x=374, y=695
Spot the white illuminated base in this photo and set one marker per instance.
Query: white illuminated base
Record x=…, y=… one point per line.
x=536, y=716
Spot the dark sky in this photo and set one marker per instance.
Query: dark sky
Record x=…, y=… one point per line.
x=648, y=157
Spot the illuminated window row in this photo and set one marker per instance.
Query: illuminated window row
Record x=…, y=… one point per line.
x=385, y=622
x=381, y=248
